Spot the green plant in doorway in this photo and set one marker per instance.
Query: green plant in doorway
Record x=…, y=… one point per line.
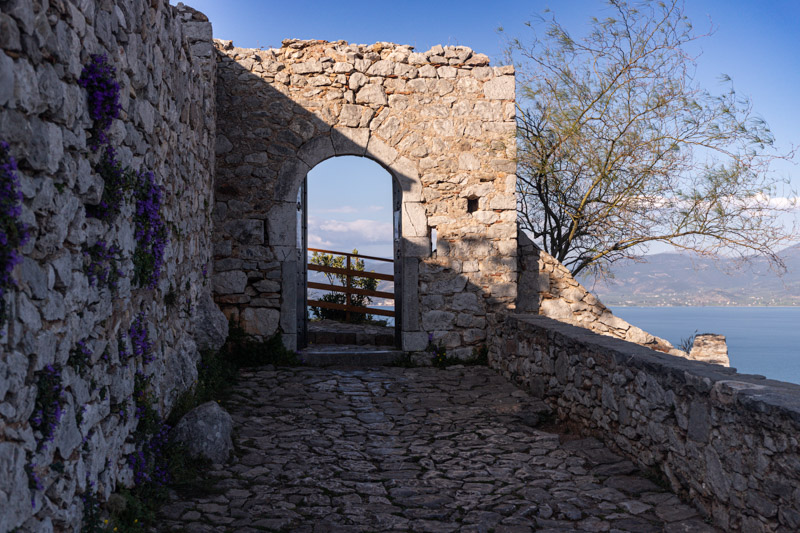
x=340, y=261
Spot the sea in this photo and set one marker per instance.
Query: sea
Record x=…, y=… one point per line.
x=761, y=340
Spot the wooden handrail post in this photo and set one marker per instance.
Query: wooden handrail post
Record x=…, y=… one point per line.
x=349, y=297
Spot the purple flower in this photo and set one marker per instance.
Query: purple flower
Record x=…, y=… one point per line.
x=116, y=181
x=103, y=269
x=150, y=232
x=13, y=233
x=48, y=409
x=98, y=80
x=80, y=357
x=140, y=341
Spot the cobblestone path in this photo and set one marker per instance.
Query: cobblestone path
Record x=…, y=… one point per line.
x=417, y=449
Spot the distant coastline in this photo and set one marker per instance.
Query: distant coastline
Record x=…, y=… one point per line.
x=683, y=280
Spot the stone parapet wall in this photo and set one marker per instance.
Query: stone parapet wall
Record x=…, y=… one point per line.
x=441, y=122
x=166, y=72
x=547, y=287
x=725, y=441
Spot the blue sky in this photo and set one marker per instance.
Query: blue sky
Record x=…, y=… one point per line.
x=755, y=43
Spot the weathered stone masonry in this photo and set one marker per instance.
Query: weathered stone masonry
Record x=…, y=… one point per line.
x=164, y=63
x=441, y=122
x=726, y=441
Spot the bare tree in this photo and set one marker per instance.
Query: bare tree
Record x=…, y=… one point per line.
x=619, y=147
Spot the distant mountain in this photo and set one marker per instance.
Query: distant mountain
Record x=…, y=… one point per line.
x=683, y=279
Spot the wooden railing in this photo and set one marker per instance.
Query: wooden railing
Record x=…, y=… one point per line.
x=348, y=288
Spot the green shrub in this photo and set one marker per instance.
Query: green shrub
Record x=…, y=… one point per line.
x=244, y=350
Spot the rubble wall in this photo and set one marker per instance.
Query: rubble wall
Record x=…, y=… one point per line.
x=441, y=122
x=546, y=287
x=725, y=441
x=59, y=319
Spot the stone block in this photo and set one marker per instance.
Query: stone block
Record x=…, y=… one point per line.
x=6, y=79
x=468, y=161
x=317, y=150
x=260, y=321
x=307, y=67
x=231, y=282
x=380, y=151
x=557, y=309
x=410, y=294
x=419, y=247
x=466, y=301
x=282, y=224
x=210, y=325
x=15, y=496
x=415, y=341
x=415, y=220
x=699, y=421
x=246, y=231
x=382, y=68
x=437, y=320
x=350, y=141
x=371, y=93
x=407, y=175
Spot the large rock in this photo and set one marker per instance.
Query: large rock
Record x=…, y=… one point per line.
x=206, y=432
x=210, y=326
x=260, y=321
x=710, y=348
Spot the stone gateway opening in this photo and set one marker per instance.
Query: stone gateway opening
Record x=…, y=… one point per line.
x=349, y=223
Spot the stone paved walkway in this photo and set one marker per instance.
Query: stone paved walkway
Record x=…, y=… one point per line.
x=419, y=449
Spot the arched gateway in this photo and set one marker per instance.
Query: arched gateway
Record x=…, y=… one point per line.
x=441, y=122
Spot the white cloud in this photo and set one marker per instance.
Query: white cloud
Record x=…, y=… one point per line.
x=356, y=230
x=779, y=202
x=349, y=209
x=345, y=209
x=316, y=241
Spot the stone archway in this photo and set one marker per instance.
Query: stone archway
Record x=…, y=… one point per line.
x=441, y=122
x=414, y=233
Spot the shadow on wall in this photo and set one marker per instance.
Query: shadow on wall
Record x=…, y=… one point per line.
x=268, y=141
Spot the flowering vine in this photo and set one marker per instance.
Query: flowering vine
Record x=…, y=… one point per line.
x=150, y=232
x=148, y=462
x=80, y=357
x=103, y=269
x=98, y=78
x=49, y=406
x=13, y=233
x=140, y=340
x=118, y=181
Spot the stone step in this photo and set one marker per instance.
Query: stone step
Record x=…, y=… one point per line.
x=359, y=338
x=349, y=355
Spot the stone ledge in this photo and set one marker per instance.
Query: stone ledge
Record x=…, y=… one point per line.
x=752, y=391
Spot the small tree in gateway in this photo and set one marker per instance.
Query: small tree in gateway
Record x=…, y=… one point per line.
x=619, y=147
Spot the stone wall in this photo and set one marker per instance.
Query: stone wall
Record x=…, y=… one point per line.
x=724, y=440
x=441, y=122
x=546, y=287
x=164, y=66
